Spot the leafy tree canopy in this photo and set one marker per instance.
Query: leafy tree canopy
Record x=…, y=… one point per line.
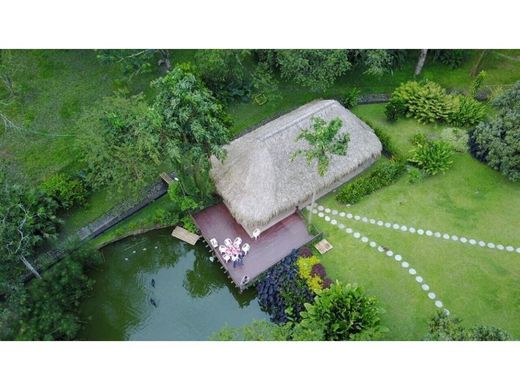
x=135, y=62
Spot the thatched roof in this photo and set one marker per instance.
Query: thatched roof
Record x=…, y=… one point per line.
x=258, y=181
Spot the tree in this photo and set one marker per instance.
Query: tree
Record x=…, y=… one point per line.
x=27, y=217
x=341, y=312
x=377, y=62
x=497, y=141
x=120, y=143
x=444, y=327
x=193, y=125
x=324, y=141
x=135, y=62
x=420, y=61
x=314, y=69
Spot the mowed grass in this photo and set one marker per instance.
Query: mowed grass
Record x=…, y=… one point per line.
x=479, y=285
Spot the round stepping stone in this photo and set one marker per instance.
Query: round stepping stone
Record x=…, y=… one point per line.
x=315, y=211
x=500, y=247
x=144, y=249
x=411, y=230
x=348, y=204
x=509, y=248
x=463, y=240
x=446, y=236
x=327, y=210
x=309, y=207
x=327, y=218
x=398, y=257
x=419, y=279
x=431, y=295
x=395, y=226
x=438, y=304
x=404, y=228
x=334, y=212
x=420, y=232
x=437, y=235
x=364, y=239
x=364, y=219
x=380, y=249
x=412, y=271
x=156, y=247
x=334, y=222
x=404, y=264
x=447, y=312
x=388, y=224
x=472, y=241
x=320, y=214
x=454, y=238
x=357, y=217
x=380, y=223
x=357, y=235
x=389, y=253
x=342, y=214
x=482, y=243
x=133, y=251
x=372, y=221
x=349, y=216
x=429, y=233
x=517, y=250
x=126, y=258
x=341, y=226
x=491, y=245
x=348, y=230
x=425, y=287
x=373, y=244
x=320, y=207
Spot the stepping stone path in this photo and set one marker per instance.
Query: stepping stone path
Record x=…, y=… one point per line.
x=421, y=232
x=397, y=257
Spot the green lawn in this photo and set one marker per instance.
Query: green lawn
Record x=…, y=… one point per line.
x=476, y=284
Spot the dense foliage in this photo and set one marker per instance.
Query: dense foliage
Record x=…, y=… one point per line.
x=316, y=69
x=305, y=267
x=66, y=190
x=454, y=58
x=443, y=327
x=341, y=312
x=27, y=218
x=350, y=98
x=456, y=138
x=324, y=141
x=136, y=61
x=48, y=308
x=497, y=141
x=432, y=157
x=256, y=331
x=381, y=176
x=282, y=293
x=428, y=102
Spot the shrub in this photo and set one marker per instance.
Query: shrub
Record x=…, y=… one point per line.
x=394, y=109
x=418, y=139
x=415, y=175
x=350, y=98
x=67, y=191
x=187, y=223
x=457, y=138
x=454, y=58
x=489, y=333
x=305, y=265
x=383, y=175
x=466, y=112
x=389, y=149
x=477, y=83
x=497, y=141
x=341, y=312
x=426, y=101
x=433, y=157
x=318, y=269
x=282, y=293
x=304, y=251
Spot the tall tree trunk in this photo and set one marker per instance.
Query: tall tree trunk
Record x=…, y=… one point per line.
x=165, y=62
x=420, y=62
x=476, y=67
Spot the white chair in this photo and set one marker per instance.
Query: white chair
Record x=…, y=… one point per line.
x=228, y=242
x=237, y=242
x=226, y=258
x=222, y=249
x=234, y=257
x=256, y=233
x=213, y=242
x=245, y=248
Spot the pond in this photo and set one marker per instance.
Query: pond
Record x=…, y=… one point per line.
x=155, y=287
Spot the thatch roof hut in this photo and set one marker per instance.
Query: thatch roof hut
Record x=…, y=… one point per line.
x=261, y=186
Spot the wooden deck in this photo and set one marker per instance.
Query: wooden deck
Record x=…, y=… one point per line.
x=273, y=244
x=184, y=235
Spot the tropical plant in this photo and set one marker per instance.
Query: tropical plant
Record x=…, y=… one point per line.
x=316, y=69
x=415, y=175
x=341, y=312
x=66, y=190
x=305, y=266
x=466, y=111
x=304, y=251
x=497, y=141
x=477, y=83
x=433, y=157
x=454, y=58
x=350, y=98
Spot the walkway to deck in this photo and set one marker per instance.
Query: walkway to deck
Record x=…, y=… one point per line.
x=273, y=244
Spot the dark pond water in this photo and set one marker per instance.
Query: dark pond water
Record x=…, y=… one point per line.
x=193, y=296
